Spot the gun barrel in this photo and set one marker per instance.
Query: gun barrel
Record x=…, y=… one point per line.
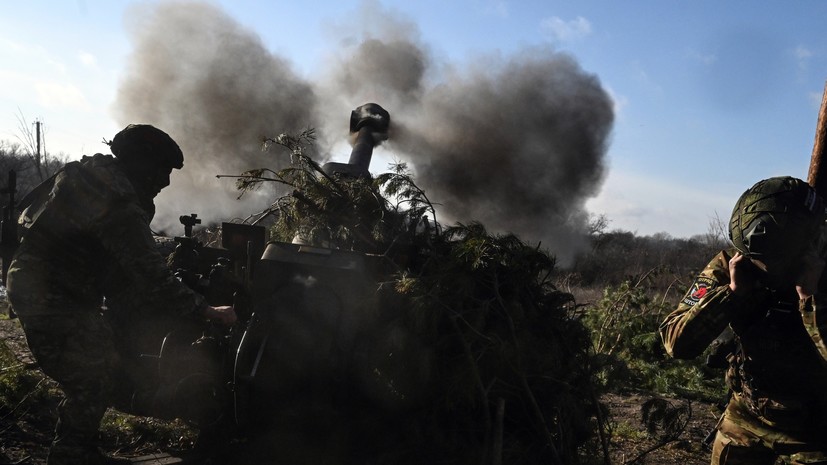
x=370, y=123
x=362, y=149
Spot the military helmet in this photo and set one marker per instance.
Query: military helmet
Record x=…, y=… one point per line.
x=144, y=144
x=775, y=221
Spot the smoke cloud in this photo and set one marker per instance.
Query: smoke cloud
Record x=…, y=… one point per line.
x=516, y=142
x=214, y=87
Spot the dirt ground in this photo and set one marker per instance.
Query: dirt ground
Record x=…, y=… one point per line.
x=24, y=435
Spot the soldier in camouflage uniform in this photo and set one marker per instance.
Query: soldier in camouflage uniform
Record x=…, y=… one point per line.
x=87, y=237
x=764, y=290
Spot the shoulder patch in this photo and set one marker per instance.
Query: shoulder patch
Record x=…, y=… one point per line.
x=699, y=288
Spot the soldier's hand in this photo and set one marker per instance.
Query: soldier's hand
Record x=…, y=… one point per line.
x=742, y=275
x=224, y=315
x=807, y=282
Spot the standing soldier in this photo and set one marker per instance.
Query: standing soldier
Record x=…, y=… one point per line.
x=761, y=289
x=87, y=237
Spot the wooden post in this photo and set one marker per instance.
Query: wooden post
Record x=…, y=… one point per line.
x=817, y=175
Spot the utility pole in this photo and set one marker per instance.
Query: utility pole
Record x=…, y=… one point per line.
x=38, y=157
x=37, y=132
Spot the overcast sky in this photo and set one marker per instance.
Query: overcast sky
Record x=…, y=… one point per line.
x=708, y=96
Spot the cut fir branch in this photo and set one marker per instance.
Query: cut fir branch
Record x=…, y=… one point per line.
x=507, y=350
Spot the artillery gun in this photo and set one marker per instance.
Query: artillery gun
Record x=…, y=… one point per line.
x=300, y=374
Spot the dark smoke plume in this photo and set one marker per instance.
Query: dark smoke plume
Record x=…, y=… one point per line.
x=517, y=144
x=218, y=92
x=514, y=142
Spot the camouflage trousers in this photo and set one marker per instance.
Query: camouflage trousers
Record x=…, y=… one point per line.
x=744, y=439
x=76, y=350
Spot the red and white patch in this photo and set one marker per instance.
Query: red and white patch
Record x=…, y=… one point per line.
x=699, y=289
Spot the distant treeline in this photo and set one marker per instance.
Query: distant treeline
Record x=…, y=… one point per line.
x=31, y=169
x=617, y=256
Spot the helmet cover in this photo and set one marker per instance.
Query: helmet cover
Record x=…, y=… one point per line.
x=138, y=144
x=775, y=221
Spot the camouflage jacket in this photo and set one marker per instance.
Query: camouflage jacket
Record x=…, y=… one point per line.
x=87, y=236
x=777, y=359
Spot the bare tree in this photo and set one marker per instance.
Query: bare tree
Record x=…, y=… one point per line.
x=34, y=143
x=14, y=157
x=716, y=237
x=598, y=224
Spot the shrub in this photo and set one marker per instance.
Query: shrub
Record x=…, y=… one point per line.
x=624, y=326
x=510, y=372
